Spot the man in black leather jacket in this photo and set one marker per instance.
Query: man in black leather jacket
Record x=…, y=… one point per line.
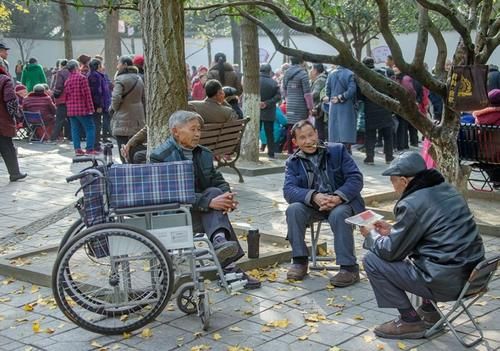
x=429, y=251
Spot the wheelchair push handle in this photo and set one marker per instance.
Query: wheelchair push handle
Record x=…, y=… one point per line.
x=75, y=177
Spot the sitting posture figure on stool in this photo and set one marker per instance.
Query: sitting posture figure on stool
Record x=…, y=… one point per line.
x=429, y=251
x=214, y=198
x=321, y=183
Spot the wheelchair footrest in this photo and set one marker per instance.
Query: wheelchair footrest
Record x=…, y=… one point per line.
x=233, y=276
x=237, y=285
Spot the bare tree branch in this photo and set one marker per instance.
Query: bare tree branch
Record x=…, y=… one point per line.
x=422, y=38
x=311, y=12
x=442, y=49
x=318, y=58
x=98, y=7
x=421, y=75
x=451, y=14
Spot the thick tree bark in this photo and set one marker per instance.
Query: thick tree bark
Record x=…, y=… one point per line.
x=251, y=99
x=112, y=43
x=236, y=36
x=166, y=82
x=68, y=42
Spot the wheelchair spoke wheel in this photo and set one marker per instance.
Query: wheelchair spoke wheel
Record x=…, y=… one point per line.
x=112, y=278
x=187, y=300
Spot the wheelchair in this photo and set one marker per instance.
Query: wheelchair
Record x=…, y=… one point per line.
x=117, y=274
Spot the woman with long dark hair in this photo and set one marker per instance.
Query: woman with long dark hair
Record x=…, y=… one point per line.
x=224, y=73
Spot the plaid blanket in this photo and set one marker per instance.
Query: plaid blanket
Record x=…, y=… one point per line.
x=93, y=200
x=151, y=184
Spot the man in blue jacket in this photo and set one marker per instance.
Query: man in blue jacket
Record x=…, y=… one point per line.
x=322, y=182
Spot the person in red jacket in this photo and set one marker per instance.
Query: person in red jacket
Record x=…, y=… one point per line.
x=490, y=115
x=198, y=90
x=80, y=108
x=9, y=110
x=40, y=101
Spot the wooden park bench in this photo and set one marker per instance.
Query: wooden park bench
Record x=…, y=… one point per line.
x=479, y=146
x=224, y=140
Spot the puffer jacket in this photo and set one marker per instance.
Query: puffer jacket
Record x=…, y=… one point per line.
x=128, y=117
x=7, y=116
x=205, y=174
x=436, y=230
x=230, y=77
x=32, y=75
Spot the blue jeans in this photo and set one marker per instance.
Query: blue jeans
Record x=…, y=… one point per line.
x=298, y=216
x=87, y=122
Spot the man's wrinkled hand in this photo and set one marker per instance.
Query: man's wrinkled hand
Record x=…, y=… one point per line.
x=383, y=228
x=224, y=202
x=125, y=151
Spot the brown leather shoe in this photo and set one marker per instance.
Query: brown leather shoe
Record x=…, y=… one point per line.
x=344, y=278
x=297, y=272
x=399, y=329
x=429, y=318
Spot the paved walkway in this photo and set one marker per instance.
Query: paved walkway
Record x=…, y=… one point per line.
x=35, y=213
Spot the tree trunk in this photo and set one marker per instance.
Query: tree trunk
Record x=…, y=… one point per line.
x=112, y=43
x=444, y=151
x=68, y=43
x=286, y=40
x=369, y=48
x=358, y=49
x=209, y=51
x=166, y=82
x=236, y=36
x=251, y=99
x=19, y=42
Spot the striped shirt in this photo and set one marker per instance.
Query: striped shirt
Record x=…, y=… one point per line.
x=78, y=96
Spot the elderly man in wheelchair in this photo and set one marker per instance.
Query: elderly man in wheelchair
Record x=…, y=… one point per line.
x=214, y=199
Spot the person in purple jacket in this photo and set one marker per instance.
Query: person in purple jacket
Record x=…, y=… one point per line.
x=322, y=182
x=97, y=84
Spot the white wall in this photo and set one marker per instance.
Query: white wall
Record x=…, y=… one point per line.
x=48, y=51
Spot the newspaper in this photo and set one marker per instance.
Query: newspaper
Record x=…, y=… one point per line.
x=365, y=218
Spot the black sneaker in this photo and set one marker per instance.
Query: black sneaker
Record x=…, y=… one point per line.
x=225, y=249
x=16, y=177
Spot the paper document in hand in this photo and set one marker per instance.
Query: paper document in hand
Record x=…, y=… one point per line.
x=364, y=218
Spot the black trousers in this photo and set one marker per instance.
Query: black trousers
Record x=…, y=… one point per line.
x=98, y=129
x=62, y=124
x=402, y=134
x=322, y=127
x=8, y=152
x=413, y=134
x=213, y=221
x=371, y=139
x=268, y=130
x=121, y=140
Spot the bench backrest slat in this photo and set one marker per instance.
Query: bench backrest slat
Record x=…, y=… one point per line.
x=223, y=138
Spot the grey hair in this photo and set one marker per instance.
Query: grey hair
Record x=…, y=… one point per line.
x=72, y=65
x=180, y=118
x=39, y=87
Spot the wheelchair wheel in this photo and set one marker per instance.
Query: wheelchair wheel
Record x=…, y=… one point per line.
x=187, y=300
x=112, y=278
x=75, y=228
